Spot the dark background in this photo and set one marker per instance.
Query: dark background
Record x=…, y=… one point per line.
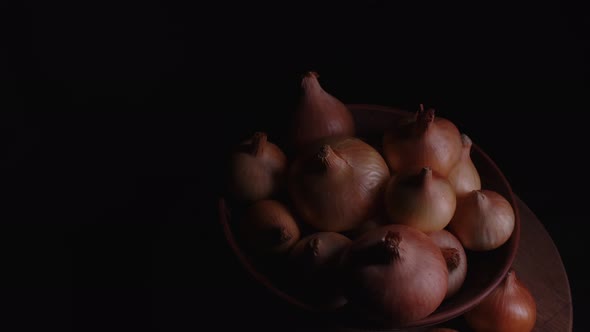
x=112, y=173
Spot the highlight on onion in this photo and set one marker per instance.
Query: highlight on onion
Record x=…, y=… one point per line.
x=397, y=273
x=422, y=140
x=335, y=185
x=319, y=115
x=268, y=228
x=484, y=220
x=464, y=176
x=455, y=258
x=257, y=169
x=509, y=308
x=423, y=200
x=315, y=260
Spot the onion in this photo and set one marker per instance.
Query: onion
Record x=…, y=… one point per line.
x=269, y=228
x=396, y=272
x=464, y=177
x=256, y=169
x=455, y=257
x=316, y=260
x=335, y=184
x=484, y=220
x=509, y=308
x=319, y=114
x=423, y=200
x=441, y=329
x=422, y=140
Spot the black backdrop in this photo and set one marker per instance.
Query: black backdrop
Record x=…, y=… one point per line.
x=112, y=173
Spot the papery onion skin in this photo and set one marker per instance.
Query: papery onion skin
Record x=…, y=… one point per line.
x=484, y=220
x=456, y=259
x=257, y=169
x=269, y=228
x=396, y=273
x=336, y=184
x=509, y=308
x=319, y=114
x=424, y=200
x=422, y=140
x=464, y=177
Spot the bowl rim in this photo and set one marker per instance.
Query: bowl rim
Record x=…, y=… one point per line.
x=432, y=319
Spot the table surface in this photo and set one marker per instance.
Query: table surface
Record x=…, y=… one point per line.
x=539, y=266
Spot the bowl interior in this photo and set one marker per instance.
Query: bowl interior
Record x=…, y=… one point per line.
x=485, y=269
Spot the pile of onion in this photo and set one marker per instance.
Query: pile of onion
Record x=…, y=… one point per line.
x=386, y=233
